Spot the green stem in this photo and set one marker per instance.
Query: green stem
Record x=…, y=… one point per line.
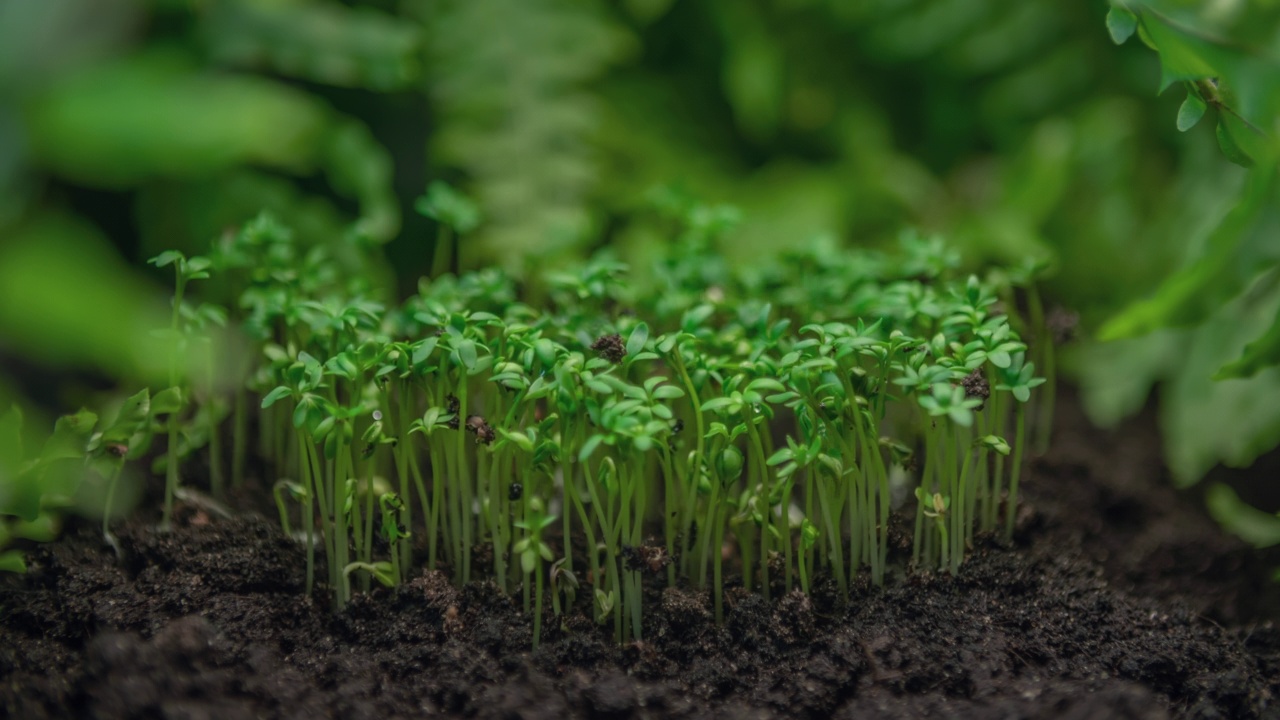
x=239, y=439
x=440, y=263
x=668, y=523
x=464, y=478
x=786, y=535
x=107, y=507
x=762, y=494
x=171, y=478
x=691, y=493
x=957, y=550
x=925, y=477
x=537, y=605
x=403, y=449
x=495, y=525
x=369, y=521
x=718, y=560
x=308, y=515
x=217, y=482
x=1011, y=511
x=342, y=591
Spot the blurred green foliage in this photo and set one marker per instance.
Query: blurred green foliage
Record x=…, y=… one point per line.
x=1018, y=129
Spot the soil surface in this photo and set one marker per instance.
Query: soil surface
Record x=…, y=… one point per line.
x=1119, y=599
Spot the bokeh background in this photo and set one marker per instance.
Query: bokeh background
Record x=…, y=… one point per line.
x=1014, y=128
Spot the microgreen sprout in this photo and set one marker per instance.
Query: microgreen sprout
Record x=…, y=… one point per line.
x=768, y=412
x=185, y=270
x=456, y=216
x=533, y=551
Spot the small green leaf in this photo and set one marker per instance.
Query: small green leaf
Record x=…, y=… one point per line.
x=808, y=534
x=520, y=440
x=996, y=443
x=11, y=439
x=635, y=342
x=467, y=353
x=589, y=447
x=667, y=392
x=43, y=528
x=70, y=437
x=1256, y=527
x=168, y=401
x=134, y=414
x=275, y=396
x=12, y=561
x=168, y=257
x=1121, y=23
x=423, y=349
x=762, y=385
x=1230, y=148
x=196, y=265
x=1191, y=111
x=716, y=403
x=1262, y=353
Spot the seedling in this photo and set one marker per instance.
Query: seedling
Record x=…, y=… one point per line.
x=533, y=551
x=185, y=270
x=562, y=581
x=705, y=416
x=456, y=216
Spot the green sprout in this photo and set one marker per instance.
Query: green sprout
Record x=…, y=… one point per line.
x=185, y=270
x=700, y=432
x=533, y=551
x=456, y=216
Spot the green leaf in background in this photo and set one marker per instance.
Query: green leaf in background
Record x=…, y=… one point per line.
x=1121, y=23
x=1183, y=56
x=1239, y=77
x=1262, y=353
x=753, y=77
x=11, y=440
x=1230, y=422
x=447, y=206
x=1230, y=147
x=639, y=336
x=166, y=258
x=1191, y=111
x=510, y=80
x=131, y=419
x=322, y=42
x=70, y=437
x=12, y=561
x=105, y=323
x=1254, y=526
x=52, y=477
x=156, y=114
x=167, y=401
x=1212, y=279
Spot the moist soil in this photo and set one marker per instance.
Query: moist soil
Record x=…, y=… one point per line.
x=1118, y=598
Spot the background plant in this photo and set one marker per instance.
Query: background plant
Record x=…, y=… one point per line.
x=1223, y=301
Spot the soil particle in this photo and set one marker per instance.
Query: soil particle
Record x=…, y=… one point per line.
x=1117, y=599
x=610, y=347
x=976, y=386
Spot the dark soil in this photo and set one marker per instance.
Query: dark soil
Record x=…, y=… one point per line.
x=1120, y=599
